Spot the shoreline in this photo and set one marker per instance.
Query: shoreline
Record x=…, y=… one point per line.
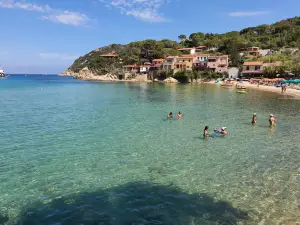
x=290, y=92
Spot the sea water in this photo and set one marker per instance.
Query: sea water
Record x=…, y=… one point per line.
x=75, y=152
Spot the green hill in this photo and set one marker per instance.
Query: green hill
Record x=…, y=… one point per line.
x=285, y=33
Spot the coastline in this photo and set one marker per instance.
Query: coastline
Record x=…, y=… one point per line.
x=290, y=92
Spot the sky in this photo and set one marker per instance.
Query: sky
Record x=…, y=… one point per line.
x=46, y=36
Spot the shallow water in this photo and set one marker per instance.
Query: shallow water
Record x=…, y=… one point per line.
x=74, y=152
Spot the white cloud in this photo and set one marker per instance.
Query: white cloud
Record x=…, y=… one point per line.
x=145, y=10
x=68, y=18
x=55, y=55
x=253, y=13
x=54, y=15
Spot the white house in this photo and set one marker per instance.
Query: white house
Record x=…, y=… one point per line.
x=233, y=72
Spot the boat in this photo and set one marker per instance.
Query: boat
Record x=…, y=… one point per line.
x=2, y=73
x=241, y=91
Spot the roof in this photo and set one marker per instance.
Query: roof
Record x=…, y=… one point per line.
x=185, y=57
x=201, y=54
x=201, y=46
x=253, y=63
x=130, y=66
x=156, y=65
x=171, y=57
x=184, y=49
x=158, y=60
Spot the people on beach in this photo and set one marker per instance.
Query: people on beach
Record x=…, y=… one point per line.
x=170, y=116
x=283, y=88
x=205, y=133
x=179, y=115
x=272, y=120
x=254, y=119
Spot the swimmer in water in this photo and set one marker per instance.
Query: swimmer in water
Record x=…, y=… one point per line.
x=254, y=119
x=272, y=120
x=170, y=116
x=205, y=133
x=223, y=131
x=179, y=115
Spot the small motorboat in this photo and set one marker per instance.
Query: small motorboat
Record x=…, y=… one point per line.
x=241, y=91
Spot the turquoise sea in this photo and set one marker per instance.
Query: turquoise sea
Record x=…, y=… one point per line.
x=75, y=152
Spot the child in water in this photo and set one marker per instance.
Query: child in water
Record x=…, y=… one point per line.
x=205, y=133
x=179, y=115
x=254, y=119
x=170, y=116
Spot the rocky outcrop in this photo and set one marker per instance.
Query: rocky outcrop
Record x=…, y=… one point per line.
x=171, y=80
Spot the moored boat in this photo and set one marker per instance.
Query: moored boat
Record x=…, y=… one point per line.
x=2, y=73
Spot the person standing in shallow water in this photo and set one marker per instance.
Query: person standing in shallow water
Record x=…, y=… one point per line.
x=205, y=133
x=272, y=120
x=179, y=115
x=254, y=119
x=170, y=116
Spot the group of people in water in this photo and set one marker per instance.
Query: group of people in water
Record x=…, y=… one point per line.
x=179, y=116
x=223, y=130
x=272, y=120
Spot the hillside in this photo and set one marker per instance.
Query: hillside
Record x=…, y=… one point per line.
x=285, y=33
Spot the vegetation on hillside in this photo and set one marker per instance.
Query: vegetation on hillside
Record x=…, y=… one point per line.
x=285, y=33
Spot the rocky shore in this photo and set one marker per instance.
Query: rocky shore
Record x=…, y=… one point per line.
x=88, y=75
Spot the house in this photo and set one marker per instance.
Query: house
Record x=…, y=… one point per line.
x=218, y=63
x=169, y=63
x=157, y=61
x=200, y=48
x=233, y=72
x=144, y=69
x=110, y=55
x=266, y=52
x=190, y=51
x=183, y=63
x=252, y=52
x=251, y=69
x=200, y=60
x=131, y=68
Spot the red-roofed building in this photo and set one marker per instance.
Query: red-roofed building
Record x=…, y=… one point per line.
x=110, y=55
x=251, y=69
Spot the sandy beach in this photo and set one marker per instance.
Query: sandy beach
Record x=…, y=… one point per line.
x=289, y=92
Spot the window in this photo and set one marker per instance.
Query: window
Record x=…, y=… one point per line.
x=257, y=67
x=247, y=68
x=189, y=60
x=182, y=60
x=201, y=58
x=188, y=67
x=198, y=58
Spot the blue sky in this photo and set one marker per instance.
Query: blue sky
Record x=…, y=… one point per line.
x=45, y=36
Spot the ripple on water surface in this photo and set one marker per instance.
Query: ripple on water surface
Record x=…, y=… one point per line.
x=104, y=153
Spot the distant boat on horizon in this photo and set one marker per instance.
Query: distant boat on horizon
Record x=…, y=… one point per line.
x=2, y=73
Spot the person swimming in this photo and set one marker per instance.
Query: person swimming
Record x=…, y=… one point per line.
x=179, y=115
x=170, y=116
x=254, y=119
x=223, y=131
x=272, y=120
x=205, y=133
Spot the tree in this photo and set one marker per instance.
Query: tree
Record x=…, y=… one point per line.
x=182, y=37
